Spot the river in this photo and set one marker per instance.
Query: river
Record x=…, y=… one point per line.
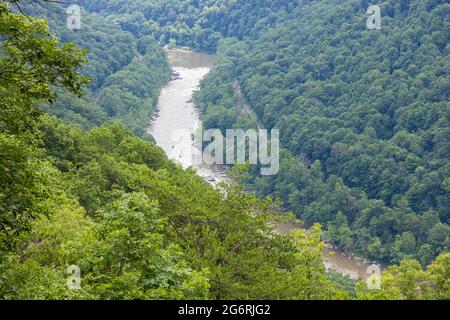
x=176, y=111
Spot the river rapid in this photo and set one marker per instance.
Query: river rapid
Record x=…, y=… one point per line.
x=176, y=111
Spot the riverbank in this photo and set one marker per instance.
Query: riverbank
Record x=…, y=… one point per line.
x=334, y=259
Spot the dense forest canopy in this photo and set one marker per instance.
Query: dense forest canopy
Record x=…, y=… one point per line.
x=364, y=118
x=365, y=123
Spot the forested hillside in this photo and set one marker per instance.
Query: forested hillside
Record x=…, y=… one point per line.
x=131, y=67
x=364, y=117
x=193, y=23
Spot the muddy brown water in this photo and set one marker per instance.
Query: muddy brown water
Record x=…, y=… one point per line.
x=345, y=263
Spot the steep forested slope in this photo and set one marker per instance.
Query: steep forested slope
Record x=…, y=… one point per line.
x=118, y=62
x=198, y=24
x=364, y=115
